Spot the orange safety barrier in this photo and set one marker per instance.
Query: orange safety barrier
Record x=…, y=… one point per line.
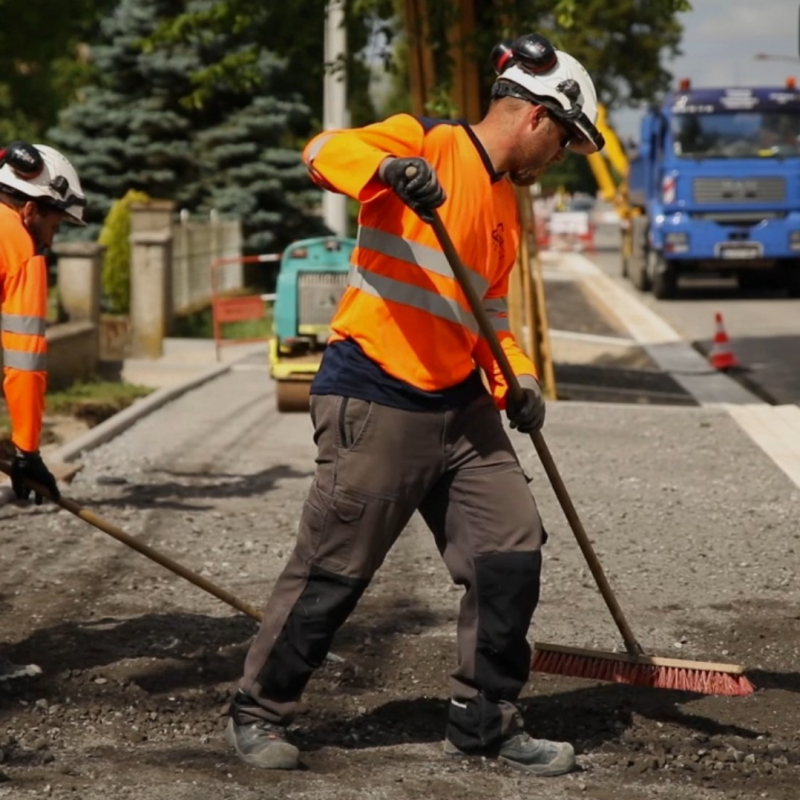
x=238, y=308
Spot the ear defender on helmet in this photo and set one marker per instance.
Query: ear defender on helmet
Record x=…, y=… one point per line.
x=534, y=53
x=501, y=56
x=24, y=159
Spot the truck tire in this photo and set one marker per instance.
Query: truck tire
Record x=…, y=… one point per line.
x=639, y=277
x=663, y=276
x=793, y=282
x=637, y=263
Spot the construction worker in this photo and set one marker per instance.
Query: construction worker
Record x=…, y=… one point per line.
x=39, y=189
x=402, y=419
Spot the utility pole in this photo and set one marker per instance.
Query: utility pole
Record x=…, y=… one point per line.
x=334, y=104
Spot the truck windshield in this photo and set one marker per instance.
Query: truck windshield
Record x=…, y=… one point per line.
x=743, y=134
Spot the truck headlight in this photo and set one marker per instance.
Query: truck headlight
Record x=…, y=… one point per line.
x=794, y=240
x=678, y=242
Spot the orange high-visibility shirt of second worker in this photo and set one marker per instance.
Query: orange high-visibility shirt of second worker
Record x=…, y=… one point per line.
x=403, y=306
x=23, y=305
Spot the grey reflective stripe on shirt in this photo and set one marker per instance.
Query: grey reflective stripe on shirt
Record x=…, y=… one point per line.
x=23, y=323
x=414, y=296
x=317, y=146
x=497, y=311
x=414, y=253
x=27, y=362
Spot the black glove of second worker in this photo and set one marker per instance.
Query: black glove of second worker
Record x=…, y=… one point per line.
x=415, y=183
x=30, y=465
x=527, y=416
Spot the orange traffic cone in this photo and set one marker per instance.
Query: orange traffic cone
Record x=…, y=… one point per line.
x=722, y=356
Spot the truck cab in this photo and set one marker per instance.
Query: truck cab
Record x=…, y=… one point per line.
x=715, y=185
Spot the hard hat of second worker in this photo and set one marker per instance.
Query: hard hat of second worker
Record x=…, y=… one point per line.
x=530, y=68
x=39, y=172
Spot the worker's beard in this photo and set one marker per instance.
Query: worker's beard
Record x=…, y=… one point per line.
x=526, y=177
x=529, y=166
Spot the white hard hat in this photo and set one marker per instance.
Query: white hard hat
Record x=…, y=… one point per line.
x=39, y=172
x=531, y=69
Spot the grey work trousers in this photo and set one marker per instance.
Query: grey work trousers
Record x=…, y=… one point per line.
x=377, y=465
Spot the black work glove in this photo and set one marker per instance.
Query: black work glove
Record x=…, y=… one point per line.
x=421, y=192
x=30, y=465
x=527, y=416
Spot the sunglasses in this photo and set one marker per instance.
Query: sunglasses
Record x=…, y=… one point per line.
x=566, y=135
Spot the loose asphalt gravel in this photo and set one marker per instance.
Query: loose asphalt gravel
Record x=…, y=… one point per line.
x=696, y=528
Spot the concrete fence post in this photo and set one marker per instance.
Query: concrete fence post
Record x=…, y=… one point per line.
x=151, y=276
x=151, y=291
x=79, y=267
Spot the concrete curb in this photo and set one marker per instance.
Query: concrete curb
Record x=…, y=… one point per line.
x=659, y=339
x=120, y=422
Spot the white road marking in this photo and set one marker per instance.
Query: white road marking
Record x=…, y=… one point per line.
x=775, y=429
x=592, y=338
x=658, y=338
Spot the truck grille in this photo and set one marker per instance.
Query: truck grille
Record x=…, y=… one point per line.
x=318, y=295
x=739, y=190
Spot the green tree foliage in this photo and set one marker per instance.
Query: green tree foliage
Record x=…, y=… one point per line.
x=266, y=186
x=43, y=60
x=295, y=31
x=128, y=130
x=115, y=236
x=141, y=126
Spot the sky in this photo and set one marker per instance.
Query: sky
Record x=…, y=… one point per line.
x=721, y=39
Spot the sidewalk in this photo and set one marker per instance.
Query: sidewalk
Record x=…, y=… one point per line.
x=185, y=365
x=184, y=359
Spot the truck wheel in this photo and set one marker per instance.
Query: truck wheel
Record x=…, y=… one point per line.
x=640, y=277
x=663, y=276
x=793, y=282
x=637, y=254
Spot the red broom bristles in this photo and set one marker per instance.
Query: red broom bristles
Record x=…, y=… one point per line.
x=620, y=670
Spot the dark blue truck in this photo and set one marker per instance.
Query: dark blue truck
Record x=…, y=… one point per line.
x=715, y=188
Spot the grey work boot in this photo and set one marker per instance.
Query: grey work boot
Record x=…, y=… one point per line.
x=10, y=671
x=258, y=742
x=523, y=752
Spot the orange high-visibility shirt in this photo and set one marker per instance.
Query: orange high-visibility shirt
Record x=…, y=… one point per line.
x=403, y=306
x=23, y=304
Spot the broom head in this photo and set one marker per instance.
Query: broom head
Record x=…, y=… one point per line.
x=658, y=673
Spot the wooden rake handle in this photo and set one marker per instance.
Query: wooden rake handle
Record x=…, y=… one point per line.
x=488, y=332
x=144, y=549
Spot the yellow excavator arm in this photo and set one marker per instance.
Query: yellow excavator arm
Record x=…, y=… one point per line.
x=613, y=154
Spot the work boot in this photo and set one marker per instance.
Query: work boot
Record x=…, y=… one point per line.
x=258, y=742
x=9, y=670
x=523, y=752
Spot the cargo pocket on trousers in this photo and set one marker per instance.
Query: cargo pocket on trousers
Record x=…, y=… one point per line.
x=337, y=545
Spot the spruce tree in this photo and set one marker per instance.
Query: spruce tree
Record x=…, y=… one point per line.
x=250, y=166
x=129, y=131
x=237, y=151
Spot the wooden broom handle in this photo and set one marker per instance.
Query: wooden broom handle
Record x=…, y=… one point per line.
x=141, y=547
x=488, y=332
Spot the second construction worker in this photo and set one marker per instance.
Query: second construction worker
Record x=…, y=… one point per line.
x=39, y=189
x=403, y=421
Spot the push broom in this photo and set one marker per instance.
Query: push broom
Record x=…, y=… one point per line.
x=145, y=549
x=634, y=666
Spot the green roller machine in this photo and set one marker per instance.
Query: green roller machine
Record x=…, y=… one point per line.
x=311, y=280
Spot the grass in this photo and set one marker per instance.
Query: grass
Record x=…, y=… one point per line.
x=53, y=308
x=199, y=324
x=92, y=401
